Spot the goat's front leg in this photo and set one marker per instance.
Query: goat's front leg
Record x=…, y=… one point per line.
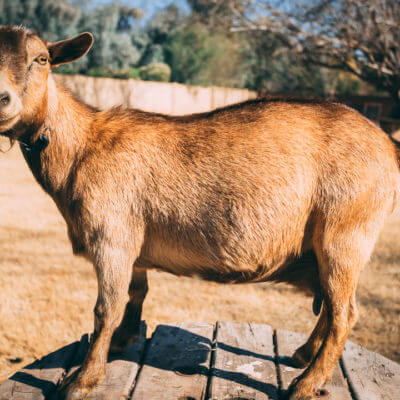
x=113, y=270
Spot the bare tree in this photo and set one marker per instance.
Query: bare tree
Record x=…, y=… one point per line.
x=219, y=14
x=359, y=36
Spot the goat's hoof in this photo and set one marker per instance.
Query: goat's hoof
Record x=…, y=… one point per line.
x=77, y=391
x=296, y=391
x=75, y=387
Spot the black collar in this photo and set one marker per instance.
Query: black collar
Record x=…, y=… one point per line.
x=39, y=145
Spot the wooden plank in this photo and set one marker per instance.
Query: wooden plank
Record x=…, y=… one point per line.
x=38, y=381
x=371, y=376
x=287, y=343
x=244, y=363
x=176, y=365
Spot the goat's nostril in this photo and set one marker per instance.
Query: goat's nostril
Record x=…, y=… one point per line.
x=5, y=99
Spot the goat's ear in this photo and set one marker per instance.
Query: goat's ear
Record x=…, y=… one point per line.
x=66, y=51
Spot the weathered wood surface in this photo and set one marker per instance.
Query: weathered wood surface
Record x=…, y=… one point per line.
x=177, y=363
x=244, y=362
x=199, y=361
x=38, y=381
x=371, y=376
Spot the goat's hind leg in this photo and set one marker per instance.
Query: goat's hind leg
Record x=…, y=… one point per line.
x=304, y=355
x=129, y=329
x=340, y=262
x=303, y=274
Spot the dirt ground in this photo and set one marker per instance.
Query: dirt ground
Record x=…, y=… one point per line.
x=47, y=295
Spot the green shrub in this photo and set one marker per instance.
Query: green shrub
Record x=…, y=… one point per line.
x=121, y=74
x=134, y=73
x=99, y=72
x=131, y=73
x=66, y=69
x=158, y=72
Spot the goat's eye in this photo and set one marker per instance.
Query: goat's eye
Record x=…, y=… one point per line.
x=42, y=60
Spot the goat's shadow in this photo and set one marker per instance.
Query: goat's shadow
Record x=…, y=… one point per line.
x=173, y=349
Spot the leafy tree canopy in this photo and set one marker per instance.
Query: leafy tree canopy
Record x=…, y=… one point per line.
x=239, y=43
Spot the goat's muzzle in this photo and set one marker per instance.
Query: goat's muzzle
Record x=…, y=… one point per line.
x=10, y=106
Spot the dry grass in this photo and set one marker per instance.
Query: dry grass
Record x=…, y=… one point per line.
x=47, y=295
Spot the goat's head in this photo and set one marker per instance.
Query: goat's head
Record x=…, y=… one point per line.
x=25, y=64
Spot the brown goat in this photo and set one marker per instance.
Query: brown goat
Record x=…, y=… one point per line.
x=260, y=191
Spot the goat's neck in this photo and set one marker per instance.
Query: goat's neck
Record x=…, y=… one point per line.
x=67, y=126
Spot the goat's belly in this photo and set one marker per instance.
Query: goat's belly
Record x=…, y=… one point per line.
x=215, y=273
x=225, y=253
x=184, y=262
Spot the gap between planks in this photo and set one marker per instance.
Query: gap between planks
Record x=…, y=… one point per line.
x=212, y=360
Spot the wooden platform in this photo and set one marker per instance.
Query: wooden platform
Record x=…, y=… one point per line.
x=193, y=361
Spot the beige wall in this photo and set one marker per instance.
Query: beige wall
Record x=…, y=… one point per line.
x=168, y=98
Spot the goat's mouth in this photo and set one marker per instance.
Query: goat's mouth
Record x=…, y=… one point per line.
x=6, y=124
